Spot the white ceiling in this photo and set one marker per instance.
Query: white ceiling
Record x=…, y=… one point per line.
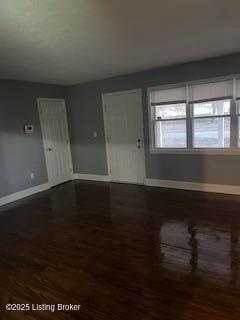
x=73, y=41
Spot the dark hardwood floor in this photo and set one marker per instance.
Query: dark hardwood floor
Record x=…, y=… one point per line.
x=122, y=252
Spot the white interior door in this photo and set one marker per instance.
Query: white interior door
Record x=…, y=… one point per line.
x=54, y=126
x=124, y=131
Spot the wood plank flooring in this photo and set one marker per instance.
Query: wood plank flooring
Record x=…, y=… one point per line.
x=121, y=252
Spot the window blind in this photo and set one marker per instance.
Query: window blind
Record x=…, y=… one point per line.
x=211, y=91
x=168, y=96
x=238, y=89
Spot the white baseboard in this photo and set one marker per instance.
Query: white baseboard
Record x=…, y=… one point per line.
x=24, y=193
x=186, y=185
x=91, y=177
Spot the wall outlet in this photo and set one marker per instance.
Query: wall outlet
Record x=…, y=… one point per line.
x=32, y=175
x=95, y=134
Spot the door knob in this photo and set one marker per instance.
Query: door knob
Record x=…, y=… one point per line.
x=139, y=140
x=139, y=147
x=49, y=149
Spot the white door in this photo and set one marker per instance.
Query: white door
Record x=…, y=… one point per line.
x=54, y=126
x=124, y=134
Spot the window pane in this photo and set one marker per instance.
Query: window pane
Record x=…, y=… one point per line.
x=211, y=133
x=238, y=107
x=170, y=111
x=239, y=131
x=211, y=108
x=170, y=134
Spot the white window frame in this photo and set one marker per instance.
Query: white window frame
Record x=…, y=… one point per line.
x=234, y=123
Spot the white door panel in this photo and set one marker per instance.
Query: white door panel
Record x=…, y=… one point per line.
x=124, y=130
x=54, y=126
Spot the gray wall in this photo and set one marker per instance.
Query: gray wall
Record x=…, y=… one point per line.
x=85, y=116
x=21, y=154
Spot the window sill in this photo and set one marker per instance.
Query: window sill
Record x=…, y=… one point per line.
x=197, y=151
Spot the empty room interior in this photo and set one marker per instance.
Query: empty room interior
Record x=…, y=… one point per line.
x=119, y=160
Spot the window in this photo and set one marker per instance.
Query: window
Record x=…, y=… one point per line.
x=170, y=126
x=210, y=104
x=211, y=124
x=238, y=108
x=238, y=115
x=196, y=116
x=169, y=112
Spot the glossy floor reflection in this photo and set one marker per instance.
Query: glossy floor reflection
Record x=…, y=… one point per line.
x=122, y=252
